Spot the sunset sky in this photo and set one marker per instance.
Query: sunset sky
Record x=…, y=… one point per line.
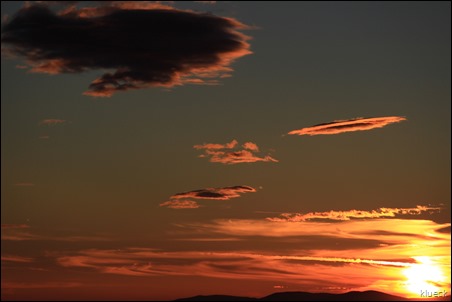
x=154, y=151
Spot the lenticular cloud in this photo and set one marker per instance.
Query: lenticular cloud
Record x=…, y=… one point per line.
x=356, y=124
x=188, y=200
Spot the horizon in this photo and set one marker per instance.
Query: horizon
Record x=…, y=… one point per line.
x=430, y=296
x=162, y=150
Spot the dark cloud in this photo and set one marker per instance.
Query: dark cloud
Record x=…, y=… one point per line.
x=138, y=44
x=184, y=200
x=356, y=124
x=215, y=193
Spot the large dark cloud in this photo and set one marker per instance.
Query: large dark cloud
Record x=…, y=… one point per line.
x=136, y=45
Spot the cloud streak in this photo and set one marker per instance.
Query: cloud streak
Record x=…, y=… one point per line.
x=51, y=122
x=351, y=251
x=341, y=126
x=151, y=262
x=21, y=232
x=225, y=154
x=392, y=247
x=184, y=200
x=385, y=229
x=39, y=285
x=209, y=146
x=350, y=214
x=375, y=269
x=140, y=44
x=14, y=226
x=24, y=184
x=14, y=258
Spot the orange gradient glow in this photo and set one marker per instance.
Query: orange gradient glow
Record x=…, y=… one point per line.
x=356, y=253
x=388, y=263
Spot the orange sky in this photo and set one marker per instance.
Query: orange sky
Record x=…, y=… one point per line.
x=148, y=149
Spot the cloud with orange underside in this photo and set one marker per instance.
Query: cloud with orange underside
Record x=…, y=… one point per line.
x=229, y=154
x=185, y=200
x=341, y=126
x=155, y=45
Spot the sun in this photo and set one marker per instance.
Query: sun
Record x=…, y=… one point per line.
x=425, y=275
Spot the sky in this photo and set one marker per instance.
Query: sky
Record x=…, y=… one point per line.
x=160, y=150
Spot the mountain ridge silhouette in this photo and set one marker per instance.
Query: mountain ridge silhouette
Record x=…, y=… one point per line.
x=369, y=295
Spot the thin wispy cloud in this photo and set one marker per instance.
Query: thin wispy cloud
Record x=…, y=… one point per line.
x=385, y=229
x=230, y=154
x=207, y=239
x=371, y=251
x=23, y=232
x=374, y=240
x=180, y=204
x=151, y=262
x=14, y=226
x=185, y=200
x=341, y=126
x=14, y=258
x=350, y=214
x=39, y=285
x=16, y=232
x=51, y=122
x=143, y=44
x=209, y=146
x=370, y=268
x=206, y=2
x=13, y=234
x=24, y=184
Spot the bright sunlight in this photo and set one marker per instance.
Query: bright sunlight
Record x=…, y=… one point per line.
x=425, y=277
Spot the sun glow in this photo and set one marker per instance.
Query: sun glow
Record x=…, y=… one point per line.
x=424, y=276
